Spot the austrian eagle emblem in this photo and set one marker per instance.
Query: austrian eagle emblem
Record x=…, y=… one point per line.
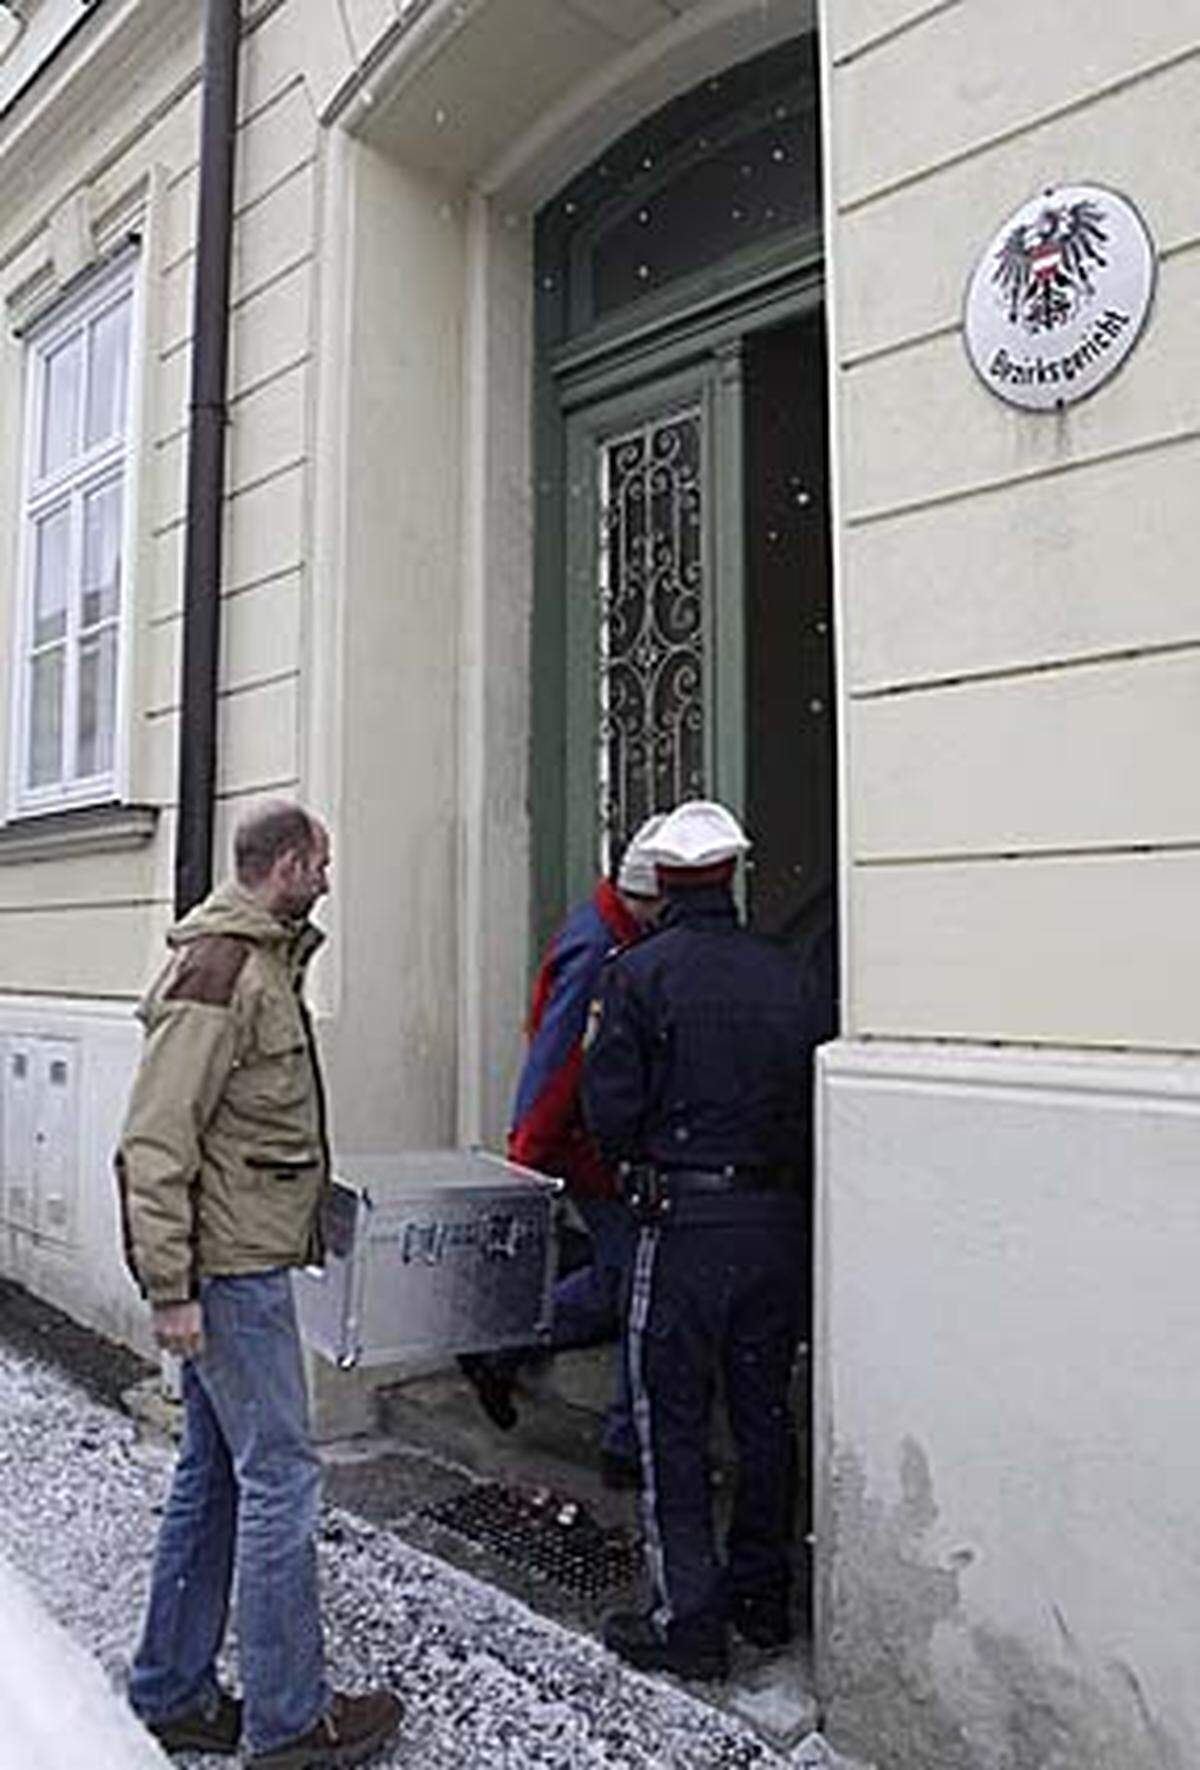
x=1043, y=271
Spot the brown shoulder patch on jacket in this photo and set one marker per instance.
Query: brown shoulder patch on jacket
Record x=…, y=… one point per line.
x=207, y=970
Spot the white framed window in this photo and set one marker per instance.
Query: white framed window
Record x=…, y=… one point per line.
x=75, y=532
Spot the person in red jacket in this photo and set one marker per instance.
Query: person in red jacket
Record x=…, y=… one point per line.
x=549, y=1135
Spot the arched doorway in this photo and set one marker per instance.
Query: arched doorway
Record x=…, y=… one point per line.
x=682, y=627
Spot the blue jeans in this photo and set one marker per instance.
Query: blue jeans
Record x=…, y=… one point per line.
x=247, y=1488
x=589, y=1308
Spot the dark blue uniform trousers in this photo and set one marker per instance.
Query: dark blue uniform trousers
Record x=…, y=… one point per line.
x=717, y=1289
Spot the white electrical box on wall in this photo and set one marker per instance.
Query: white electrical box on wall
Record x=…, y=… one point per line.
x=39, y=1146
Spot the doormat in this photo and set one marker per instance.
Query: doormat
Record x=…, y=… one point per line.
x=546, y=1534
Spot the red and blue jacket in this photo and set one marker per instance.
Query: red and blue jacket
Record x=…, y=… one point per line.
x=548, y=1132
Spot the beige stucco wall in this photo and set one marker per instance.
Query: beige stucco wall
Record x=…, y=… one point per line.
x=377, y=573
x=106, y=140
x=1019, y=648
x=1017, y=696
x=1008, y=1509
x=1006, y=1467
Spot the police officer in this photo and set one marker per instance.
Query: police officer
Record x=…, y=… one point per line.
x=698, y=1079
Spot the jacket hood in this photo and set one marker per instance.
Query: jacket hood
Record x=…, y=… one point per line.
x=231, y=909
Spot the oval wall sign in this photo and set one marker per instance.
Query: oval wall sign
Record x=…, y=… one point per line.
x=1058, y=299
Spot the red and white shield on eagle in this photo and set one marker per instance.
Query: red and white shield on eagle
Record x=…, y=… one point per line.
x=1043, y=271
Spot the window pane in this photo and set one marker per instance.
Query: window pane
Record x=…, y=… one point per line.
x=51, y=560
x=97, y=703
x=60, y=410
x=108, y=374
x=755, y=188
x=101, y=554
x=46, y=718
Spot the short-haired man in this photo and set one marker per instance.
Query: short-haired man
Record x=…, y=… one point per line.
x=223, y=1166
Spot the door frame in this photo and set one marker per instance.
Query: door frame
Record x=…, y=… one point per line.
x=689, y=345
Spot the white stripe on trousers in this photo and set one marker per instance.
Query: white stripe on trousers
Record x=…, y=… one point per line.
x=639, y=1315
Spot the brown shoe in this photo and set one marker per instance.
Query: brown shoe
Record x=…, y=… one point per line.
x=349, y=1732
x=215, y=1727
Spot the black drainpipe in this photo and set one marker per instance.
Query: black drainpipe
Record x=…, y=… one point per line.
x=206, y=460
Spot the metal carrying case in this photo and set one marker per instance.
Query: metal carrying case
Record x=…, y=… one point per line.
x=430, y=1251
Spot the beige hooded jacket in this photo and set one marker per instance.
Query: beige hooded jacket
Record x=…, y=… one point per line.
x=224, y=1159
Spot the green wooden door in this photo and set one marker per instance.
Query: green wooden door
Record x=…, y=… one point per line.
x=679, y=599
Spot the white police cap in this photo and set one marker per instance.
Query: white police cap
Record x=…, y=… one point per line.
x=699, y=833
x=636, y=874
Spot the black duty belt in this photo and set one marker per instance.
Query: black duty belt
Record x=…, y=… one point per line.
x=684, y=1181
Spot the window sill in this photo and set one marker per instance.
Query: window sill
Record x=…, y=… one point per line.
x=83, y=829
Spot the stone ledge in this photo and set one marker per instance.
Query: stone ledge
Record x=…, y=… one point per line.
x=82, y=829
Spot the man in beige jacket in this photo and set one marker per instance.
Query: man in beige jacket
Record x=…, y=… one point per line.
x=223, y=1166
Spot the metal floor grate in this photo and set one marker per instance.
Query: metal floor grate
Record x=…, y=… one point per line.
x=545, y=1534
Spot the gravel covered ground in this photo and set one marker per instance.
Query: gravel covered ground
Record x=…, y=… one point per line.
x=486, y=1683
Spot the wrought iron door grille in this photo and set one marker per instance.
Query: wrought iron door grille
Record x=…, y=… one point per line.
x=652, y=731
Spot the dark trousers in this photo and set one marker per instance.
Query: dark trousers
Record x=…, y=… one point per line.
x=589, y=1307
x=717, y=1290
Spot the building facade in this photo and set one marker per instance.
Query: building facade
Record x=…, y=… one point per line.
x=601, y=431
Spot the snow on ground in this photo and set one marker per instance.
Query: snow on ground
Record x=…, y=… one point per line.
x=54, y=1694
x=486, y=1684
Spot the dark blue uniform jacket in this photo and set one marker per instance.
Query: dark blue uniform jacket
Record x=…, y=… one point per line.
x=700, y=1048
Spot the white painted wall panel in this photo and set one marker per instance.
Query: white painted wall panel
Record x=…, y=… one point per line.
x=392, y=1054
x=1061, y=759
x=168, y=486
x=264, y=538
x=1055, y=567
x=176, y=297
x=271, y=330
x=260, y=637
x=273, y=143
x=271, y=61
x=367, y=21
x=920, y=425
x=274, y=232
x=891, y=289
x=317, y=42
x=271, y=232
x=1093, y=950
x=172, y=375
x=1009, y=1294
x=180, y=210
x=102, y=950
x=78, y=879
x=976, y=71
x=267, y=429
x=266, y=529
x=855, y=25
x=256, y=741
